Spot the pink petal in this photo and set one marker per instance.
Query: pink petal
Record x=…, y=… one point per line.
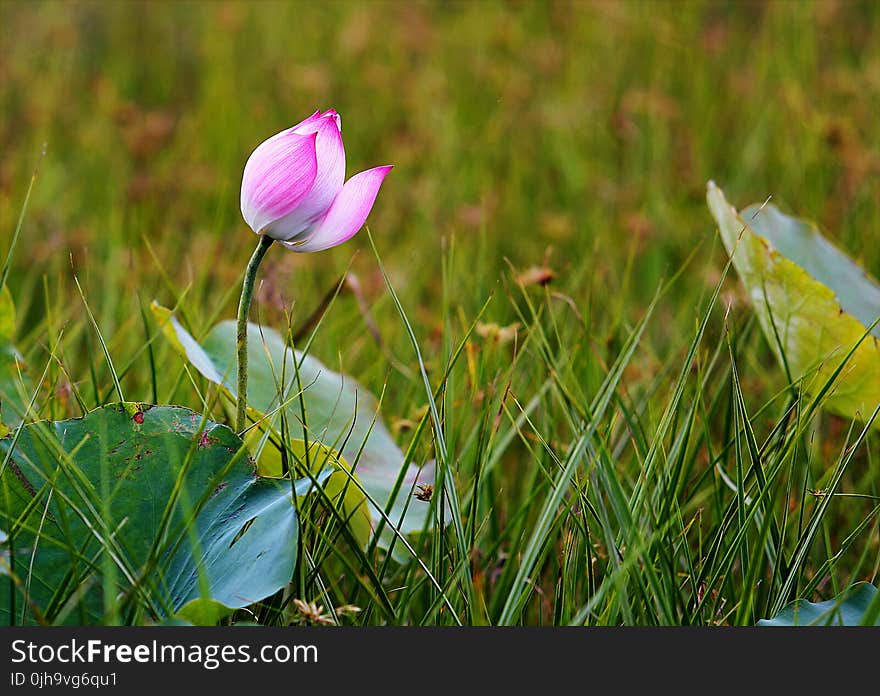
x=303, y=126
x=330, y=154
x=336, y=117
x=347, y=214
x=277, y=176
x=314, y=117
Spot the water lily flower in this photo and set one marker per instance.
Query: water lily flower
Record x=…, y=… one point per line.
x=293, y=191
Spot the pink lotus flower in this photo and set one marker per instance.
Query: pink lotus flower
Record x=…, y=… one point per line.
x=292, y=189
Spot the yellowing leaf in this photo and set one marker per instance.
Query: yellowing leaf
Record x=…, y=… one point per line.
x=203, y=612
x=7, y=315
x=15, y=387
x=819, y=303
x=330, y=471
x=184, y=343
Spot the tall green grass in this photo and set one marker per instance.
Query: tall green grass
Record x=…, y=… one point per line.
x=633, y=454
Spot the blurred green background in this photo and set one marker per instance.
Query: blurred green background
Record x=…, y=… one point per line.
x=580, y=132
x=576, y=136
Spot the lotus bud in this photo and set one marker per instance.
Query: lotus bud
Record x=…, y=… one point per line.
x=294, y=189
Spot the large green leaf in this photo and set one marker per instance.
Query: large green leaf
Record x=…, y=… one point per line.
x=15, y=387
x=340, y=413
x=813, y=297
x=158, y=504
x=849, y=608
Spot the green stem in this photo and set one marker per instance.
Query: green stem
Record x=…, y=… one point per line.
x=244, y=306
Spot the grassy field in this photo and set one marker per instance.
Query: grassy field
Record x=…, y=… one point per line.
x=588, y=422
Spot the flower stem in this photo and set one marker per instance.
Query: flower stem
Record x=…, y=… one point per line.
x=244, y=306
